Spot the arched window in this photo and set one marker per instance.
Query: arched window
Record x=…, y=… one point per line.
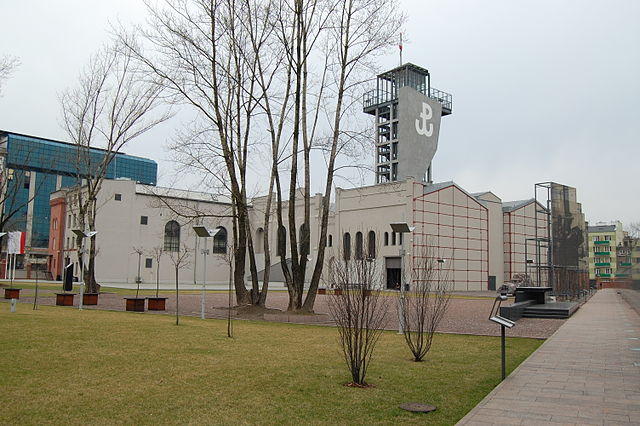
x=172, y=236
x=220, y=240
x=371, y=253
x=386, y=238
x=330, y=241
x=359, y=246
x=303, y=237
x=281, y=246
x=346, y=246
x=258, y=245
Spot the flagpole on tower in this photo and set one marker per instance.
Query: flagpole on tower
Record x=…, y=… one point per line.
x=400, y=49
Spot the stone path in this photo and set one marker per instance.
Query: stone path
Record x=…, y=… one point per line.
x=587, y=373
x=468, y=315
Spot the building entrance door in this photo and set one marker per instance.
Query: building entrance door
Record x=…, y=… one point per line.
x=392, y=265
x=393, y=278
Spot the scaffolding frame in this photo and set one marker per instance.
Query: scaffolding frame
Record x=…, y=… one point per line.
x=547, y=267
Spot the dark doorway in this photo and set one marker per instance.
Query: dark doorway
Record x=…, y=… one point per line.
x=393, y=278
x=492, y=282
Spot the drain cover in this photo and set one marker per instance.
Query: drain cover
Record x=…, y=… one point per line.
x=416, y=407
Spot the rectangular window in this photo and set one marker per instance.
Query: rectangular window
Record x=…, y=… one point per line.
x=607, y=237
x=148, y=262
x=144, y=220
x=597, y=271
x=118, y=197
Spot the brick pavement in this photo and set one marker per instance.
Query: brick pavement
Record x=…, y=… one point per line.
x=587, y=373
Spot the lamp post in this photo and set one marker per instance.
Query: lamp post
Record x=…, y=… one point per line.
x=401, y=228
x=203, y=232
x=83, y=235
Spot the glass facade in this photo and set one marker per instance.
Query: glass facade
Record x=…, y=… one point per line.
x=49, y=160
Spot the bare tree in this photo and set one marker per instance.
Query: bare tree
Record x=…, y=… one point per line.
x=227, y=258
x=634, y=229
x=113, y=104
x=180, y=260
x=427, y=301
x=139, y=251
x=8, y=65
x=348, y=35
x=207, y=60
x=245, y=65
x=359, y=310
x=156, y=254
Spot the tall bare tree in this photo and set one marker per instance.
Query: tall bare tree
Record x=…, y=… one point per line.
x=426, y=302
x=245, y=66
x=204, y=53
x=348, y=35
x=112, y=104
x=359, y=311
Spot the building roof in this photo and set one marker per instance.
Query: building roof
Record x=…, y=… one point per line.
x=601, y=228
x=181, y=194
x=441, y=185
x=509, y=206
x=55, y=141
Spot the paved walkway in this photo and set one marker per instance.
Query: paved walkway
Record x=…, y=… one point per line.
x=587, y=373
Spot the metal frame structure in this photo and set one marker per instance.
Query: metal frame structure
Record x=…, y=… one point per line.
x=548, y=266
x=382, y=102
x=566, y=281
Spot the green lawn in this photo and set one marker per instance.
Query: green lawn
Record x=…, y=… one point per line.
x=64, y=366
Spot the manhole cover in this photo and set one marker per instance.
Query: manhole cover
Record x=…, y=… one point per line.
x=416, y=407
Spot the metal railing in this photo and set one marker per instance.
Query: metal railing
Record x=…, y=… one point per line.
x=377, y=97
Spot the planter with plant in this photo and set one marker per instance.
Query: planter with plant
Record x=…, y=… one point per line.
x=136, y=303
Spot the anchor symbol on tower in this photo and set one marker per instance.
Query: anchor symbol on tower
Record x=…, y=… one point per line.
x=422, y=127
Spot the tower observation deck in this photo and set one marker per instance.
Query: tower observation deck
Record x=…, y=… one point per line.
x=408, y=112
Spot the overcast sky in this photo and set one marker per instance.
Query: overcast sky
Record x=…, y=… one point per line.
x=543, y=90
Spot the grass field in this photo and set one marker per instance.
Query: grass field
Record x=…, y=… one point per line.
x=64, y=366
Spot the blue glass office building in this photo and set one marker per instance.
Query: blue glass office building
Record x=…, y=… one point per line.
x=37, y=167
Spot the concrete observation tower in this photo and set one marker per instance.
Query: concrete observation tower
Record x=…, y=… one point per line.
x=408, y=112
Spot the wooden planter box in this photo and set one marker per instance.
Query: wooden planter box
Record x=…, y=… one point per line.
x=90, y=298
x=322, y=291
x=12, y=293
x=156, y=303
x=134, y=304
x=64, y=299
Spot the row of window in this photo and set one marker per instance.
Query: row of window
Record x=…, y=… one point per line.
x=601, y=238
x=172, y=238
x=393, y=238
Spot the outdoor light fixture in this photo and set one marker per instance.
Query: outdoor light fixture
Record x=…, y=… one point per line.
x=505, y=323
x=82, y=235
x=204, y=232
x=401, y=228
